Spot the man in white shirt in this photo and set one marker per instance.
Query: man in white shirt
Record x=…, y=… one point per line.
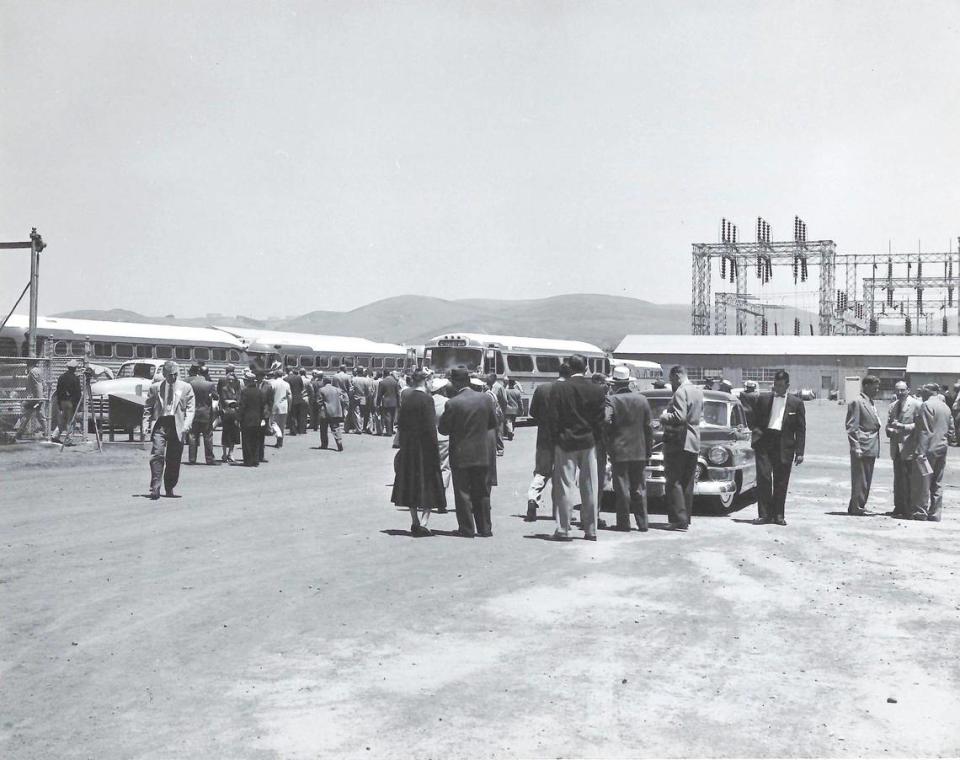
x=170, y=408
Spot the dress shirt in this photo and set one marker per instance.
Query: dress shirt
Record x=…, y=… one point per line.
x=776, y=413
x=168, y=400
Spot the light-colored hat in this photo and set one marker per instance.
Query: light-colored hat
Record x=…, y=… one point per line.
x=248, y=375
x=73, y=364
x=229, y=368
x=750, y=385
x=621, y=374
x=437, y=384
x=171, y=368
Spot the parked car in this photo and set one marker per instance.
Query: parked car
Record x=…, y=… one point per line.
x=727, y=466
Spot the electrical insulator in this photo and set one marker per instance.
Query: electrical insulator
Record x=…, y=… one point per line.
x=796, y=267
x=919, y=269
x=763, y=326
x=769, y=268
x=840, y=300
x=796, y=325
x=733, y=269
x=920, y=299
x=949, y=296
x=723, y=230
x=733, y=229
x=776, y=328
x=907, y=327
x=889, y=296
x=803, y=269
x=811, y=329
x=889, y=269
x=759, y=267
x=723, y=267
x=873, y=327
x=944, y=324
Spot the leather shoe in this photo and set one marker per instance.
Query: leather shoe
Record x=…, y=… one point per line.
x=558, y=536
x=463, y=534
x=780, y=521
x=531, y=511
x=677, y=526
x=857, y=512
x=486, y=534
x=590, y=537
x=420, y=530
x=154, y=495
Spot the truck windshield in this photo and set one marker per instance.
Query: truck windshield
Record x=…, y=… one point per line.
x=444, y=358
x=136, y=369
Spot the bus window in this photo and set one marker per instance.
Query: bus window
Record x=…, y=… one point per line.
x=9, y=347
x=219, y=354
x=323, y=361
x=335, y=362
x=164, y=352
x=519, y=363
x=234, y=355
x=144, y=352
x=60, y=348
x=307, y=361
x=289, y=361
x=377, y=362
x=124, y=351
x=348, y=361
x=550, y=364
x=77, y=348
x=182, y=352
x=201, y=354
x=103, y=350
x=389, y=362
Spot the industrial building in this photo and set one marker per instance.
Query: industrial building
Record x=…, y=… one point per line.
x=820, y=363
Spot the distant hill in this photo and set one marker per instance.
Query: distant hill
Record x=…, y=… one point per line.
x=599, y=319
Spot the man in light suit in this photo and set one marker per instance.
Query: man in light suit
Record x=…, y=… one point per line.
x=169, y=408
x=935, y=432
x=779, y=431
x=627, y=417
x=863, y=435
x=467, y=418
x=908, y=482
x=681, y=447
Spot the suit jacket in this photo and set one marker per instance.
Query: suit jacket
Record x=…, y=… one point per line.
x=903, y=441
x=682, y=418
x=250, y=410
x=500, y=394
x=793, y=427
x=204, y=391
x=283, y=397
x=576, y=413
x=936, y=425
x=514, y=402
x=331, y=396
x=629, y=426
x=467, y=418
x=863, y=427
x=388, y=393
x=539, y=407
x=295, y=382
x=184, y=405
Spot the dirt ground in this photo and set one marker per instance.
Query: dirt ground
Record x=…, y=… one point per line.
x=284, y=612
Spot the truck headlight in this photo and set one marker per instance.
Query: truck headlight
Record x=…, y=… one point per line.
x=718, y=455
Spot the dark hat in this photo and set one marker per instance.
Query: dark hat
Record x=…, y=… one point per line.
x=460, y=376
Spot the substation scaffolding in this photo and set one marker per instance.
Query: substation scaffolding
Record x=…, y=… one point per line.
x=900, y=292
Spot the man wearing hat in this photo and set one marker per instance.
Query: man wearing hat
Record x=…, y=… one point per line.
x=629, y=425
x=68, y=395
x=251, y=419
x=468, y=417
x=863, y=436
x=313, y=395
x=935, y=430
x=204, y=392
x=333, y=403
x=229, y=389
x=168, y=413
x=388, y=401
x=36, y=399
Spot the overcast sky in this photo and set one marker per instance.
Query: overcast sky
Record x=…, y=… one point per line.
x=276, y=158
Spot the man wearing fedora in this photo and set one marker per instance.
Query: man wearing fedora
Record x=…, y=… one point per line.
x=169, y=409
x=629, y=425
x=68, y=395
x=935, y=431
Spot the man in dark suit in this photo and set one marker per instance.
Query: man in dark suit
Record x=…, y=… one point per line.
x=779, y=432
x=388, y=401
x=250, y=415
x=543, y=459
x=908, y=481
x=266, y=397
x=576, y=417
x=467, y=418
x=333, y=401
x=863, y=436
x=297, y=421
x=629, y=445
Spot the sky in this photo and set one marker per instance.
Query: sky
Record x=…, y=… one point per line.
x=274, y=158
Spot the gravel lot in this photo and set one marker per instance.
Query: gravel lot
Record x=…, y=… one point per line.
x=284, y=612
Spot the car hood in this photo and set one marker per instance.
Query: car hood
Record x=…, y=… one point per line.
x=125, y=386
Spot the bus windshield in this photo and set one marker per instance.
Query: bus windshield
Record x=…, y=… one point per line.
x=136, y=369
x=444, y=358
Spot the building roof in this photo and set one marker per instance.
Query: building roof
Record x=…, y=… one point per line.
x=79, y=329
x=516, y=341
x=783, y=345
x=934, y=364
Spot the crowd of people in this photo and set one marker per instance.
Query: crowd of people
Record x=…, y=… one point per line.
x=452, y=429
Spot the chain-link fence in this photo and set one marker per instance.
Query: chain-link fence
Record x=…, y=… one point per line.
x=26, y=388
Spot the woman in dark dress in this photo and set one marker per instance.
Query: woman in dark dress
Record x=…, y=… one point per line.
x=418, y=484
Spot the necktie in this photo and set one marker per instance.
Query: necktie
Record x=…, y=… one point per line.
x=169, y=404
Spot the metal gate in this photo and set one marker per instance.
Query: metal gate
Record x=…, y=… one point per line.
x=27, y=385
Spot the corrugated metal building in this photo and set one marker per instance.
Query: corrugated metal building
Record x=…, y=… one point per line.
x=815, y=362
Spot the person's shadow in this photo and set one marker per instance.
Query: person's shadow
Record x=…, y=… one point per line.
x=398, y=533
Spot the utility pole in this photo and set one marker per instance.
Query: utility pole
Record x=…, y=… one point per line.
x=35, y=244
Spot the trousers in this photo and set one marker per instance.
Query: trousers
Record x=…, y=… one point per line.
x=938, y=462
x=773, y=477
x=680, y=473
x=278, y=423
x=471, y=494
x=575, y=472
x=251, y=437
x=166, y=450
x=861, y=476
x=542, y=473
x=630, y=493
x=389, y=417
x=202, y=427
x=328, y=425
x=32, y=409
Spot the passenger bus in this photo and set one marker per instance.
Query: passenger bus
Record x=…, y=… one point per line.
x=529, y=361
x=118, y=345
x=323, y=352
x=642, y=373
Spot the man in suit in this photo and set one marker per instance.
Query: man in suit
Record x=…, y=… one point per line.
x=313, y=388
x=629, y=427
x=499, y=394
x=543, y=458
x=204, y=392
x=266, y=397
x=748, y=397
x=681, y=447
x=936, y=430
x=388, y=401
x=576, y=418
x=37, y=399
x=467, y=418
x=514, y=407
x=250, y=416
x=68, y=395
x=909, y=486
x=779, y=432
x=863, y=436
x=297, y=409
x=333, y=400
x=169, y=408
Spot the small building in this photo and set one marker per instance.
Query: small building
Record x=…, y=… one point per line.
x=820, y=363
